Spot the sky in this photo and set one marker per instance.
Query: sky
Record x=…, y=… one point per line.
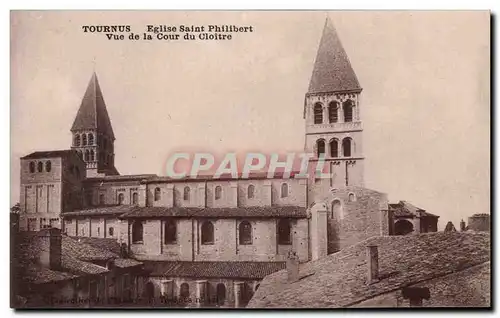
x=425, y=104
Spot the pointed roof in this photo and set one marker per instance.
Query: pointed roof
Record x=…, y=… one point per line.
x=332, y=70
x=92, y=113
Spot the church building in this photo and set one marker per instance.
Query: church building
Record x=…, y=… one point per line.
x=210, y=241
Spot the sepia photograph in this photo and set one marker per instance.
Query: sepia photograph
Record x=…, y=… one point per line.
x=250, y=159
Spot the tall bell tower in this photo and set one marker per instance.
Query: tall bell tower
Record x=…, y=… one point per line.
x=332, y=113
x=93, y=136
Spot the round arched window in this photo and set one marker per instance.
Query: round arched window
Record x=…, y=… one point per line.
x=48, y=166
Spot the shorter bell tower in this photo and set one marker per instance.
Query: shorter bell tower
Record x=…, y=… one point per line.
x=93, y=136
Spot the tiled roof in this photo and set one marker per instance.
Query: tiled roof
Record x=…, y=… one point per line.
x=84, y=252
x=92, y=113
x=103, y=210
x=246, y=212
x=128, y=177
x=339, y=280
x=51, y=154
x=332, y=70
x=126, y=262
x=35, y=274
x=109, y=244
x=77, y=255
x=406, y=209
x=242, y=270
x=78, y=267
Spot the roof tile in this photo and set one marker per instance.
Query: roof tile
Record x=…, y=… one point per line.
x=339, y=280
x=242, y=270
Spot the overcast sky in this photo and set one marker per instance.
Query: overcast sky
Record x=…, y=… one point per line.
x=425, y=101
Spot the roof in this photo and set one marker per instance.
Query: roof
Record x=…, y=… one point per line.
x=135, y=177
x=246, y=212
x=109, y=244
x=92, y=113
x=406, y=209
x=85, y=252
x=77, y=257
x=51, y=154
x=126, y=262
x=132, y=211
x=332, y=70
x=242, y=270
x=480, y=215
x=339, y=280
x=100, y=211
x=78, y=267
x=36, y=274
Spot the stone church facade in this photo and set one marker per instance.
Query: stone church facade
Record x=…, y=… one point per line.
x=211, y=240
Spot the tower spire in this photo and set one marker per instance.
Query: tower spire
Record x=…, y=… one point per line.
x=93, y=135
x=332, y=70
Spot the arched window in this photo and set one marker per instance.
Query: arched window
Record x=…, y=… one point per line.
x=318, y=113
x=347, y=106
x=187, y=192
x=245, y=233
x=32, y=167
x=80, y=154
x=346, y=147
x=352, y=197
x=157, y=194
x=87, y=155
x=284, y=232
x=92, y=155
x=320, y=148
x=121, y=198
x=137, y=232
x=170, y=232
x=218, y=192
x=284, y=190
x=337, y=213
x=221, y=294
x=135, y=198
x=251, y=191
x=403, y=227
x=101, y=199
x=77, y=140
x=84, y=140
x=207, y=233
x=184, y=290
x=334, y=148
x=91, y=139
x=40, y=166
x=111, y=231
x=333, y=112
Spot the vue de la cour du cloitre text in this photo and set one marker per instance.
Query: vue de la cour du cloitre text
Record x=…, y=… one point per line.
x=165, y=32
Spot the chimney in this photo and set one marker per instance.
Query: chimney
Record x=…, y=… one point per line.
x=292, y=267
x=372, y=261
x=416, y=295
x=48, y=244
x=462, y=225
